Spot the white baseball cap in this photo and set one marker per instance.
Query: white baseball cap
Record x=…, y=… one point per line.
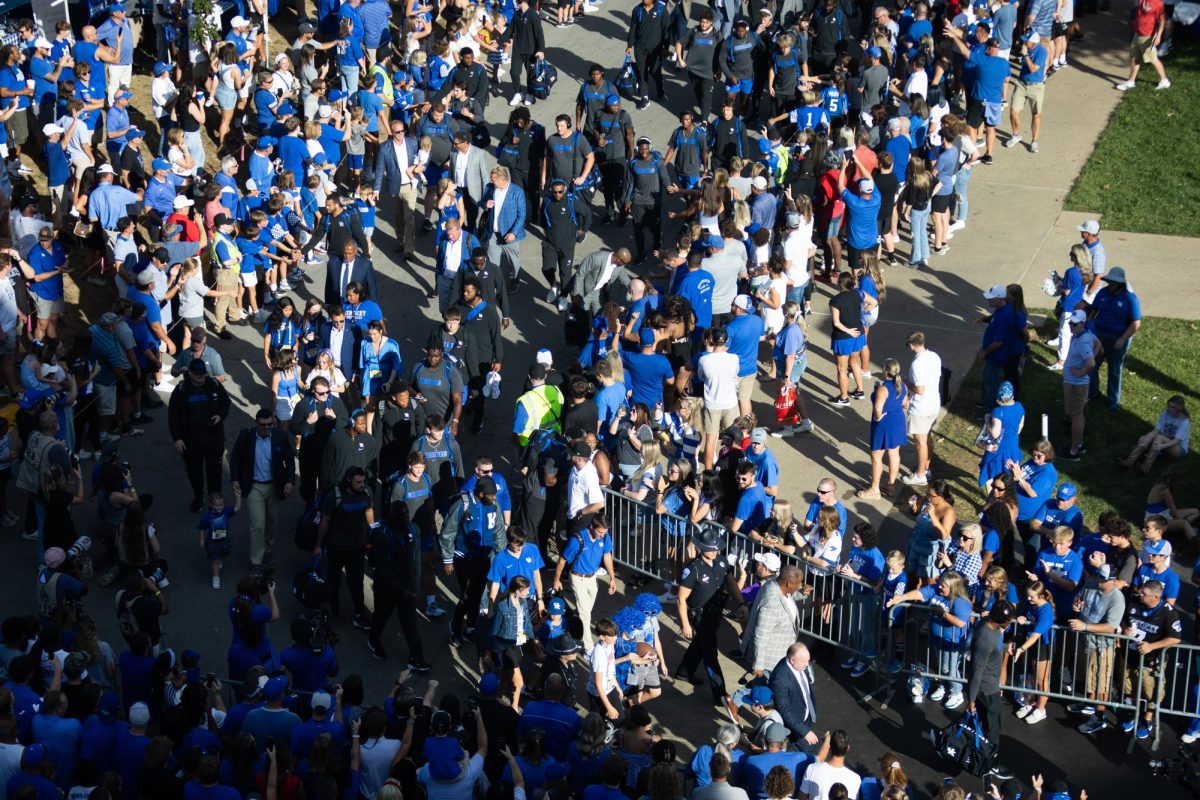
x=105, y=169
x=769, y=560
x=866, y=186
x=49, y=129
x=1090, y=227
x=760, y=183
x=239, y=22
x=545, y=357
x=997, y=292
x=42, y=43
x=325, y=111
x=183, y=201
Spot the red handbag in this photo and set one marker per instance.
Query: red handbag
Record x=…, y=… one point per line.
x=785, y=403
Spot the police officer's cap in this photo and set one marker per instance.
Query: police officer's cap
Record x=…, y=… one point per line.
x=707, y=542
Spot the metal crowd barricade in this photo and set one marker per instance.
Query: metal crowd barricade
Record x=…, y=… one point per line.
x=1115, y=668
x=1180, y=676
x=835, y=608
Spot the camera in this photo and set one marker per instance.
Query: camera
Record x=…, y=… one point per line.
x=1182, y=768
x=320, y=631
x=81, y=546
x=472, y=704
x=159, y=575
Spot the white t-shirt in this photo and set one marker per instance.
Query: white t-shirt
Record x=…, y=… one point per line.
x=603, y=663
x=917, y=83
x=830, y=551
x=376, y=764
x=583, y=489
x=162, y=92
x=926, y=371
x=795, y=251
x=719, y=371
x=10, y=760
x=820, y=777
x=9, y=310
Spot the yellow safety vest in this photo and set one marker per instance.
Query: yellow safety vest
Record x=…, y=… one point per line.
x=543, y=409
x=384, y=82
x=235, y=255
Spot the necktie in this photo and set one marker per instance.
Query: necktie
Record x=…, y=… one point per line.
x=806, y=682
x=346, y=267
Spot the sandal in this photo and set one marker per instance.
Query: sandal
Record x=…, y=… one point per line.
x=863, y=494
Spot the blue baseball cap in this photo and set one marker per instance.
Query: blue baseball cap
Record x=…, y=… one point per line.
x=33, y=756
x=160, y=163
x=266, y=141
x=612, y=100
x=557, y=606
x=1067, y=491
x=336, y=94
x=764, y=145
x=874, y=52
x=646, y=336
x=275, y=687
x=124, y=95
x=110, y=705
x=136, y=133
x=160, y=67
x=761, y=696
x=715, y=242
x=285, y=107
x=489, y=683
x=1157, y=548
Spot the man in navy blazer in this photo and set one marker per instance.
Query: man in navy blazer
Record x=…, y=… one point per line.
x=392, y=180
x=343, y=269
x=503, y=225
x=791, y=686
x=454, y=242
x=342, y=340
x=262, y=486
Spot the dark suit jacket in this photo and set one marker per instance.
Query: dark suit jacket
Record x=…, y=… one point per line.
x=349, y=354
x=387, y=167
x=789, y=701
x=283, y=460
x=362, y=270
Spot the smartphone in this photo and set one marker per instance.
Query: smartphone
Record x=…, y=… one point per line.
x=210, y=679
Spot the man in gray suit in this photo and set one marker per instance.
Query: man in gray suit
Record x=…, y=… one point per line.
x=596, y=273
x=469, y=169
x=394, y=180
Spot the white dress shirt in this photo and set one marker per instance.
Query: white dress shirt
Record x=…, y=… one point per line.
x=583, y=489
x=497, y=204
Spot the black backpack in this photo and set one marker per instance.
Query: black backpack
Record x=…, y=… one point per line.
x=627, y=82
x=311, y=585
x=542, y=77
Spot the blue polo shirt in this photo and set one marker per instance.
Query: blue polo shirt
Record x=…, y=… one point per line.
x=645, y=373
x=43, y=261
x=586, y=559
x=160, y=196
x=745, y=331
x=264, y=99
x=753, y=508
x=697, y=287
x=864, y=219
x=506, y=566
x=1038, y=75
x=117, y=120
x=108, y=32
x=13, y=79
x=58, y=168
x=1114, y=311
x=153, y=312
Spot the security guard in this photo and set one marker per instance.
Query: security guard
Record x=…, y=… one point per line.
x=539, y=408
x=472, y=532
x=563, y=232
x=645, y=179
x=704, y=586
x=227, y=266
x=613, y=132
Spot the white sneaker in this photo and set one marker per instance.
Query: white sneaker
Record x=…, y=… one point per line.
x=1033, y=146
x=85, y=455
x=805, y=426
x=1024, y=712
x=563, y=305
x=216, y=582
x=284, y=286
x=516, y=100
x=786, y=432
x=1124, y=86
x=552, y=294
x=954, y=701
x=1035, y=716
x=937, y=694
x=915, y=479
x=1052, y=342
x=1013, y=140
x=957, y=225
x=669, y=597
x=1165, y=83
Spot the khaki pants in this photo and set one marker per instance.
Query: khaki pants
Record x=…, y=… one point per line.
x=585, y=590
x=227, y=281
x=405, y=220
x=116, y=77
x=262, y=505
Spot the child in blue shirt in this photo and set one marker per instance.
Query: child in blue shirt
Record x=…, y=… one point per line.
x=214, y=534
x=555, y=624
x=251, y=247
x=364, y=204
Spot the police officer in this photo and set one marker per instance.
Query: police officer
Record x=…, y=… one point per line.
x=704, y=587
x=196, y=418
x=645, y=179
x=647, y=41
x=539, y=408
x=563, y=232
x=318, y=414
x=346, y=518
x=701, y=46
x=395, y=566
x=472, y=533
x=569, y=156
x=587, y=553
x=687, y=151
x=613, y=133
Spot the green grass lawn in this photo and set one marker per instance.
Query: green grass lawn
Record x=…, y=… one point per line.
x=1158, y=365
x=1142, y=176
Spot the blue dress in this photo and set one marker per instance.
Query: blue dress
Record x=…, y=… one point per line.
x=992, y=463
x=890, y=431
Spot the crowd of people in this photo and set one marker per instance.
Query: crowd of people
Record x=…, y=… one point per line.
x=824, y=144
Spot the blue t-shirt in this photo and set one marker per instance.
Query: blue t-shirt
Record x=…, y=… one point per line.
x=697, y=287
x=814, y=508
x=942, y=633
x=1169, y=579
x=947, y=167
x=1038, y=75
x=371, y=105
x=901, y=149
x=1072, y=284
x=1042, y=480
x=745, y=331
x=608, y=400
x=998, y=328
x=765, y=466
x=789, y=342
x=644, y=374
x=1069, y=566
x=864, y=219
x=1114, y=311
x=753, y=508
x=43, y=261
x=13, y=79
x=1042, y=623
x=990, y=74
x=1051, y=516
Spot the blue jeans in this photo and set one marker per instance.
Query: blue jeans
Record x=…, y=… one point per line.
x=962, y=179
x=350, y=79
x=993, y=374
x=919, y=220
x=195, y=143
x=949, y=663
x=1115, y=358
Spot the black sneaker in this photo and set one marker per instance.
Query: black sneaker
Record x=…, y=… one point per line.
x=427, y=227
x=643, y=103
x=986, y=161
x=455, y=638
x=224, y=335
x=1001, y=773
x=857, y=395
x=839, y=401
x=362, y=621
x=376, y=650
x=419, y=665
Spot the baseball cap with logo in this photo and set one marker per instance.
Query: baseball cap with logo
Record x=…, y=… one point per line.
x=1067, y=491
x=997, y=292
x=744, y=302
x=1159, y=548
x=761, y=695
x=1078, y=317
x=758, y=436
x=321, y=700
x=1091, y=227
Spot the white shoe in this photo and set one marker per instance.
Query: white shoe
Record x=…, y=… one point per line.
x=1013, y=140
x=915, y=479
x=1052, y=342
x=1056, y=367
x=1165, y=83
x=805, y=426
x=85, y=455
x=1124, y=86
x=668, y=597
x=1035, y=716
x=1033, y=146
x=216, y=582
x=786, y=432
x=552, y=294
x=954, y=701
x=284, y=286
x=563, y=305
x=957, y=225
x=937, y=694
x=516, y=100
x=1024, y=712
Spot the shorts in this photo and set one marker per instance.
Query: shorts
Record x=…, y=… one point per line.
x=1075, y=397
x=18, y=127
x=226, y=98
x=354, y=161
x=283, y=408
x=9, y=346
x=565, y=3
x=742, y=86
x=869, y=318
x=217, y=549
x=798, y=368
x=940, y=203
x=434, y=173
x=991, y=113
x=834, y=226
x=644, y=676
x=1034, y=93
x=248, y=279
x=848, y=347
x=1058, y=29
x=921, y=424
x=509, y=654
x=1153, y=689
x=974, y=111
x=718, y=419
x=746, y=388
x=688, y=181
x=1098, y=682
x=47, y=308
x=194, y=322
x=369, y=231
x=1142, y=51
x=106, y=398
